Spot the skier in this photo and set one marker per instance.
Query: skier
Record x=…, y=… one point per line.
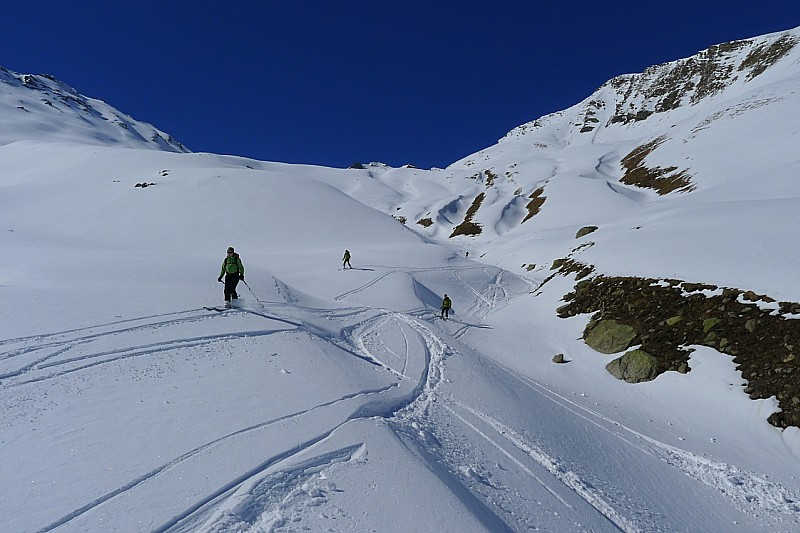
x=346, y=260
x=446, y=305
x=233, y=270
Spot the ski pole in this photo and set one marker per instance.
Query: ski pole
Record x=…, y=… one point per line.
x=254, y=294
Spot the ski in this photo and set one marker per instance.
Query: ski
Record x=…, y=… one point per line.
x=218, y=309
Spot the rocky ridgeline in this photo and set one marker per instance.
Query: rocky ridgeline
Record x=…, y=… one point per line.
x=663, y=319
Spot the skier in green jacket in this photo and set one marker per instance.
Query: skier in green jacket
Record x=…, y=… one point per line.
x=233, y=270
x=446, y=305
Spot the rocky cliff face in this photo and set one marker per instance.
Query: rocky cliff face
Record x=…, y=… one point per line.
x=662, y=88
x=632, y=98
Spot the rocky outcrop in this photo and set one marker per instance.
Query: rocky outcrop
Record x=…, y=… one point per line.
x=667, y=317
x=665, y=87
x=631, y=98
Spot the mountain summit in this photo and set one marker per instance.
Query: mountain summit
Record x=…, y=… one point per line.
x=722, y=71
x=41, y=108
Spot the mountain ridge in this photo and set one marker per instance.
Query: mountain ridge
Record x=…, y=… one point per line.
x=667, y=86
x=49, y=109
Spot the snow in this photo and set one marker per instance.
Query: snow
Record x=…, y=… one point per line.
x=337, y=400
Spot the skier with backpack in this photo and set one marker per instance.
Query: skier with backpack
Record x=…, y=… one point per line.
x=446, y=305
x=233, y=271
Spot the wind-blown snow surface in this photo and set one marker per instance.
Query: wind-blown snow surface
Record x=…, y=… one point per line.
x=336, y=400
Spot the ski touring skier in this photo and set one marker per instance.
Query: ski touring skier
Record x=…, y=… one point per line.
x=346, y=260
x=233, y=271
x=446, y=305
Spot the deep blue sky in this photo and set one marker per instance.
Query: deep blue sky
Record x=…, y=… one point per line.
x=332, y=82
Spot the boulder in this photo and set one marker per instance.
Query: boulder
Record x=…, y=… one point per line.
x=674, y=320
x=634, y=366
x=609, y=336
x=709, y=323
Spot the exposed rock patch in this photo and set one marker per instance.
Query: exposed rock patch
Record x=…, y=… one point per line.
x=536, y=203
x=662, y=180
x=669, y=316
x=468, y=227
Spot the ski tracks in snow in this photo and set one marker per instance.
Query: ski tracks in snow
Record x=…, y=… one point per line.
x=278, y=484
x=402, y=344
x=569, y=478
x=747, y=491
x=41, y=357
x=27, y=361
x=276, y=493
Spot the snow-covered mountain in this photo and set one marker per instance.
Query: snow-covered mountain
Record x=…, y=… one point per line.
x=676, y=172
x=42, y=108
x=644, y=233
x=671, y=129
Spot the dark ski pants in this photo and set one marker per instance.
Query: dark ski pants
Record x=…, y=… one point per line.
x=231, y=281
x=445, y=312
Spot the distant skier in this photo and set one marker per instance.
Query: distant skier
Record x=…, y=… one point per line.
x=446, y=305
x=233, y=270
x=346, y=260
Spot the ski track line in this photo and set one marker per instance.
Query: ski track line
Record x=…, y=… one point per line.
x=136, y=351
x=242, y=510
x=327, y=312
x=152, y=474
x=483, y=302
x=435, y=352
x=493, y=292
x=746, y=490
x=410, y=271
x=364, y=329
x=366, y=285
x=26, y=368
x=569, y=478
x=85, y=338
x=108, y=324
x=67, y=344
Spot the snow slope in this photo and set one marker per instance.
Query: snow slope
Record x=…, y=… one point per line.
x=41, y=108
x=336, y=400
